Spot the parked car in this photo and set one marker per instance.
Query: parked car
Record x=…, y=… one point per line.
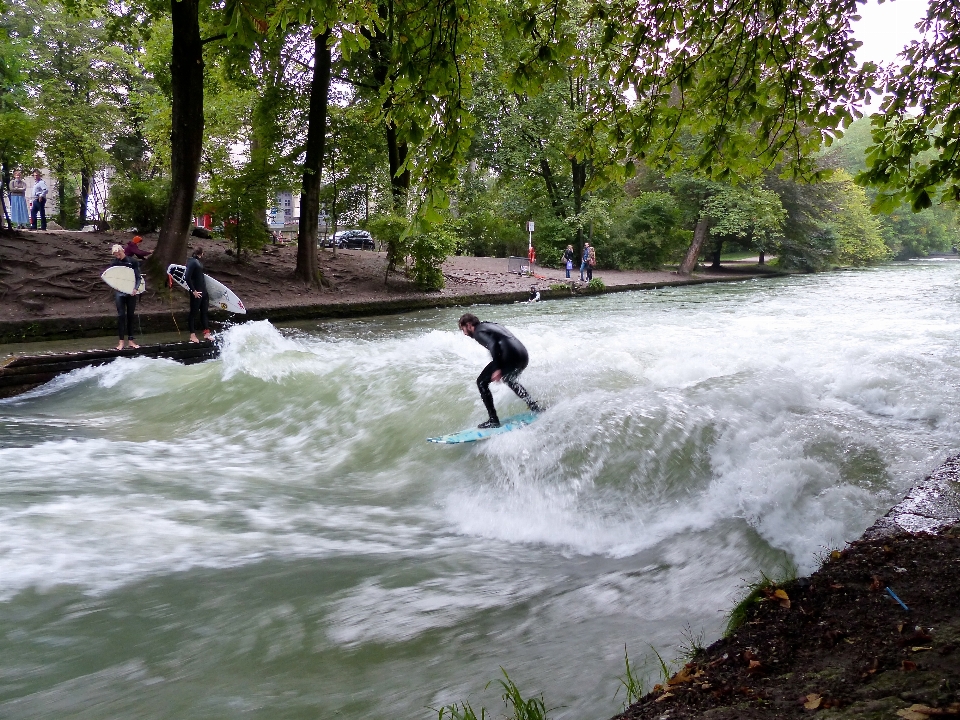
x=352, y=239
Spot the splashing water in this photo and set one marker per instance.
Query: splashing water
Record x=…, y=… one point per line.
x=269, y=534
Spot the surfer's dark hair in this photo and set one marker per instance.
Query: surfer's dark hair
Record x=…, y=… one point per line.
x=198, y=253
x=469, y=319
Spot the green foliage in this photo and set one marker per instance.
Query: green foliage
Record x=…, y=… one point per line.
x=915, y=157
x=630, y=682
x=138, y=204
x=236, y=202
x=427, y=251
x=560, y=287
x=460, y=712
x=522, y=709
x=595, y=286
x=857, y=231
x=388, y=229
x=648, y=234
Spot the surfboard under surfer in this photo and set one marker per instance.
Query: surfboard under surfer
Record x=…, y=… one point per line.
x=509, y=360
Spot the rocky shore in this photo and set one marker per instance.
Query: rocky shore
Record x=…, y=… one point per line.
x=874, y=633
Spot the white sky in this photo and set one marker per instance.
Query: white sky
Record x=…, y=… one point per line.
x=885, y=29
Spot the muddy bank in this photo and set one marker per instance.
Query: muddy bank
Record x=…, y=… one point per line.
x=874, y=633
x=50, y=285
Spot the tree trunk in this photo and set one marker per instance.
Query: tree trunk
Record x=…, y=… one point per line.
x=715, y=265
x=579, y=171
x=761, y=258
x=186, y=135
x=546, y=172
x=307, y=268
x=693, y=252
x=399, y=181
x=84, y=195
x=4, y=184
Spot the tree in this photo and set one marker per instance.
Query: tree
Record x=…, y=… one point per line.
x=916, y=152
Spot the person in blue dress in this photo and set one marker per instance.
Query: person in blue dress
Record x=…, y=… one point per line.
x=18, y=201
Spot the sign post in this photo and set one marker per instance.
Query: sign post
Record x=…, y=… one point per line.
x=531, y=255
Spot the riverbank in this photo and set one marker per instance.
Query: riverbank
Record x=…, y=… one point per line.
x=50, y=285
x=874, y=633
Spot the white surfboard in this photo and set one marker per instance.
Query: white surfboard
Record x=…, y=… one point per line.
x=221, y=297
x=121, y=278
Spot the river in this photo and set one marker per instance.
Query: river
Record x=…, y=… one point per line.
x=268, y=535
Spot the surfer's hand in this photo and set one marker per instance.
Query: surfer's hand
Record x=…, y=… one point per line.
x=197, y=294
x=495, y=376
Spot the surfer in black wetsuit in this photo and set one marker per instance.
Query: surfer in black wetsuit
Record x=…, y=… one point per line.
x=199, y=301
x=509, y=360
x=126, y=304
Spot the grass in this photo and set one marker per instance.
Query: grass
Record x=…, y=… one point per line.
x=630, y=682
x=460, y=712
x=530, y=709
x=754, y=593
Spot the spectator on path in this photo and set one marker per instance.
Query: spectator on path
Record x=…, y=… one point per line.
x=39, y=204
x=199, y=300
x=509, y=359
x=134, y=254
x=133, y=248
x=584, y=260
x=18, y=201
x=126, y=304
x=568, y=256
x=591, y=262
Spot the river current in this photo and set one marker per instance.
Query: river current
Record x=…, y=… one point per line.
x=268, y=535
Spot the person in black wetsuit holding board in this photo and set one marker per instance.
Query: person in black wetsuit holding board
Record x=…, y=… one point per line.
x=199, y=301
x=509, y=360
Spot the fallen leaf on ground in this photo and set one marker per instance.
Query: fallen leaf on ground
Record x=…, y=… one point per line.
x=664, y=697
x=813, y=701
x=908, y=665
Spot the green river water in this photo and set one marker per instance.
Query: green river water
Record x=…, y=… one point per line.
x=269, y=535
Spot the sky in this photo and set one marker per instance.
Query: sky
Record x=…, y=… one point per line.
x=885, y=29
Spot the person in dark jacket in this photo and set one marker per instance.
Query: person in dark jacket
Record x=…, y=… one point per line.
x=199, y=301
x=126, y=304
x=133, y=248
x=509, y=360
x=134, y=254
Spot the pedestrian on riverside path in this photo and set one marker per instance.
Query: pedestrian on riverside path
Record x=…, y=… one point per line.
x=584, y=260
x=568, y=256
x=509, y=360
x=18, y=201
x=39, y=204
x=199, y=300
x=126, y=304
x=591, y=261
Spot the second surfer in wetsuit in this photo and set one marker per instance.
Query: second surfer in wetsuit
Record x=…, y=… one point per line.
x=509, y=360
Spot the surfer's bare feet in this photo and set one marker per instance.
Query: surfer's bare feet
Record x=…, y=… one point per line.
x=207, y=335
x=132, y=344
x=193, y=338
x=120, y=345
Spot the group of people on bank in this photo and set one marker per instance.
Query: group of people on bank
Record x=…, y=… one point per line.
x=588, y=261
x=130, y=255
x=18, y=201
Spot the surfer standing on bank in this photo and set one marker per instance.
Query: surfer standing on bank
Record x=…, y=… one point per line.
x=126, y=304
x=509, y=360
x=199, y=300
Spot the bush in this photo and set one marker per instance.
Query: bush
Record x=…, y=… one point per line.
x=388, y=229
x=648, y=234
x=428, y=251
x=595, y=286
x=139, y=204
